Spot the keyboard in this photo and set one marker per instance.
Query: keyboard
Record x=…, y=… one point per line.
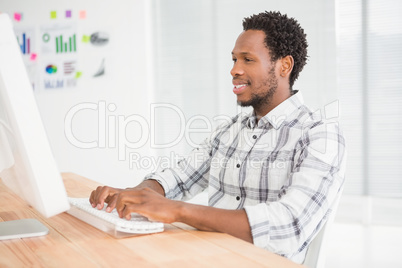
x=111, y=222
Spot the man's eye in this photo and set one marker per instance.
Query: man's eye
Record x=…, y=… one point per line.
x=234, y=60
x=247, y=59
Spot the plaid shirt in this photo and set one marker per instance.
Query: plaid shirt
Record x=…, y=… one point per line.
x=285, y=170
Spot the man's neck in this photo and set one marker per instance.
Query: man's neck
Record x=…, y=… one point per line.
x=278, y=98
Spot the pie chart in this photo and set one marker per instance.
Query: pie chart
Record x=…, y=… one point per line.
x=50, y=69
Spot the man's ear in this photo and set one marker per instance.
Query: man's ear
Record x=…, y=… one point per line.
x=286, y=66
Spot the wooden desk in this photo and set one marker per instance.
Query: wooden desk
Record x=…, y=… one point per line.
x=73, y=243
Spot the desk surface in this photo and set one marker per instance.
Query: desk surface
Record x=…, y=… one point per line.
x=73, y=243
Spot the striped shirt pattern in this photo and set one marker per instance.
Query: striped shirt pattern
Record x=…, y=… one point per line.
x=285, y=170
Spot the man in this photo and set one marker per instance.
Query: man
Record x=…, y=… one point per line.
x=272, y=175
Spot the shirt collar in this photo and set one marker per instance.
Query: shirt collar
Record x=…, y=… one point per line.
x=279, y=114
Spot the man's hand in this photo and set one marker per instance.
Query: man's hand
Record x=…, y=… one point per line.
x=148, y=203
x=104, y=194
x=148, y=199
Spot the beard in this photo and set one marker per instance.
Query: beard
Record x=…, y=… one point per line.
x=264, y=98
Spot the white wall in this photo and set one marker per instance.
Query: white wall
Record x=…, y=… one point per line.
x=124, y=84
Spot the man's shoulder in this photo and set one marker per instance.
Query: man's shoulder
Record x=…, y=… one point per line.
x=318, y=123
x=313, y=123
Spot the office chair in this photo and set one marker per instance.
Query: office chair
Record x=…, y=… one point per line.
x=316, y=252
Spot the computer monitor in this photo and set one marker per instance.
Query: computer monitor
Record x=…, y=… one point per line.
x=27, y=165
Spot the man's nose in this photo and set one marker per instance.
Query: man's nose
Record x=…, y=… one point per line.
x=237, y=70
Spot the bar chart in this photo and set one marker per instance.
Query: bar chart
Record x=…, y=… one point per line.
x=69, y=45
x=59, y=39
x=25, y=43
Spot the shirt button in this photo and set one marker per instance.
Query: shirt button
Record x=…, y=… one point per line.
x=238, y=165
x=254, y=136
x=237, y=198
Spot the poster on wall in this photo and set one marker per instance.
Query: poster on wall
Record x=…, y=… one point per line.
x=59, y=56
x=61, y=49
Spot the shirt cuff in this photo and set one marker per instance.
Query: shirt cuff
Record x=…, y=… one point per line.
x=259, y=225
x=167, y=181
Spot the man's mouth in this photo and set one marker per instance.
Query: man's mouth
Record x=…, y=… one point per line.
x=238, y=89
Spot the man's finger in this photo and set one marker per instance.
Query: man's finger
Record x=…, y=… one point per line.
x=126, y=198
x=103, y=193
x=128, y=209
x=111, y=203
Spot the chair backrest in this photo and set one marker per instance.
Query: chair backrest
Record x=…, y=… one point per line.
x=315, y=256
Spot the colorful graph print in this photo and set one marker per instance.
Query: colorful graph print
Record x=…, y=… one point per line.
x=69, y=46
x=59, y=39
x=60, y=46
x=25, y=43
x=51, y=69
x=26, y=40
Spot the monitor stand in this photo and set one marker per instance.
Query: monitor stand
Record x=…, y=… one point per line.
x=22, y=228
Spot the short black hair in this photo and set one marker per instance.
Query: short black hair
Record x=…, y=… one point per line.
x=283, y=36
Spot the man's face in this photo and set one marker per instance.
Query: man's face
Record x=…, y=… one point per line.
x=253, y=72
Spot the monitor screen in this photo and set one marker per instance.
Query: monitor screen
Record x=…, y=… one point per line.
x=27, y=165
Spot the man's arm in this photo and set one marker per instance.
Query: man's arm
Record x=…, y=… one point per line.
x=148, y=200
x=156, y=207
x=233, y=222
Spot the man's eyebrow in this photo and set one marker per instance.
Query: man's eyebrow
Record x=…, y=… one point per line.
x=242, y=53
